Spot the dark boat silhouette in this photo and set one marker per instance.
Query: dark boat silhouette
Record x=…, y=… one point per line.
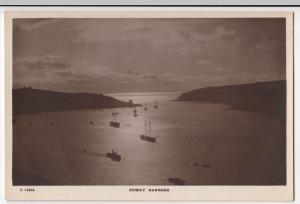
x=155, y=105
x=114, y=123
x=147, y=136
x=145, y=107
x=205, y=166
x=135, y=112
x=113, y=156
x=130, y=103
x=176, y=181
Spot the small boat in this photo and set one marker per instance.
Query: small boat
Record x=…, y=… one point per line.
x=145, y=107
x=205, y=166
x=91, y=122
x=155, y=105
x=113, y=156
x=147, y=136
x=114, y=123
x=130, y=103
x=135, y=112
x=176, y=181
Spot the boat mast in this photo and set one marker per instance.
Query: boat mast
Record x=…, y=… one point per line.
x=114, y=116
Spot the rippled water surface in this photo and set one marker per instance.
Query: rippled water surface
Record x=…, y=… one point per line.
x=200, y=143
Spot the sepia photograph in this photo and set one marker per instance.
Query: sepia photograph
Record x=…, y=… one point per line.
x=150, y=101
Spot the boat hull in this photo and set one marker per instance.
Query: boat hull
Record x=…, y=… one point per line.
x=176, y=181
x=148, y=138
x=114, y=157
x=114, y=124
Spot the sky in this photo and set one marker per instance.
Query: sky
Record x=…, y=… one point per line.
x=112, y=55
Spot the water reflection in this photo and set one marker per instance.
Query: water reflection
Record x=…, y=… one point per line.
x=201, y=144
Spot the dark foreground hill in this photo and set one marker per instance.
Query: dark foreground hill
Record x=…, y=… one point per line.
x=28, y=100
x=264, y=97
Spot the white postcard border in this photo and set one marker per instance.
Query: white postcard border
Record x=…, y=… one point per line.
x=246, y=193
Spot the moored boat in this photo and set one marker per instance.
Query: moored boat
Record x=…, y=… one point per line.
x=147, y=136
x=114, y=122
x=114, y=156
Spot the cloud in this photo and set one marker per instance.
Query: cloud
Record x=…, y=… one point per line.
x=48, y=69
x=169, y=32
x=267, y=45
x=80, y=76
x=30, y=25
x=222, y=32
x=51, y=70
x=65, y=74
x=39, y=63
x=200, y=41
x=132, y=71
x=106, y=30
x=204, y=62
x=128, y=54
x=219, y=33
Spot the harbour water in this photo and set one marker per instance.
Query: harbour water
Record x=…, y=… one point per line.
x=200, y=143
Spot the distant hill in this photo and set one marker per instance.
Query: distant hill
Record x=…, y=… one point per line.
x=28, y=100
x=264, y=97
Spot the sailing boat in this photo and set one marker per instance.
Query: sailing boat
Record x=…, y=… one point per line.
x=155, y=105
x=114, y=122
x=135, y=112
x=148, y=137
x=113, y=156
